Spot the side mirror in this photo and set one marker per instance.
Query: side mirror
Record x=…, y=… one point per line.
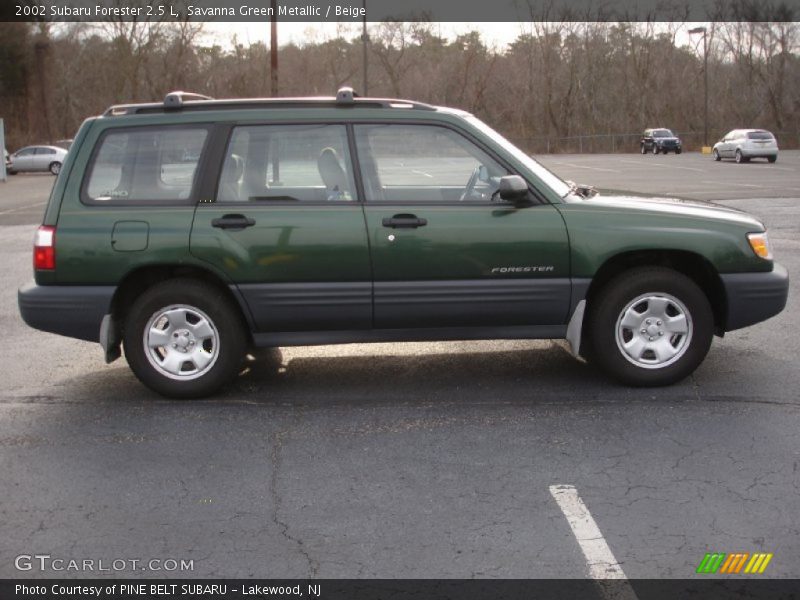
x=513, y=189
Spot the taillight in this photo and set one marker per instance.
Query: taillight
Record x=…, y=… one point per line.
x=44, y=248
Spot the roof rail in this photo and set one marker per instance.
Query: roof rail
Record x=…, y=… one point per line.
x=346, y=95
x=186, y=101
x=176, y=99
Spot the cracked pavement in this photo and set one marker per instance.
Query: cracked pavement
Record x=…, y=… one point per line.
x=400, y=460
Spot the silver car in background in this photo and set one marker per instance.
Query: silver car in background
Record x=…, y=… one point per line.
x=744, y=144
x=36, y=158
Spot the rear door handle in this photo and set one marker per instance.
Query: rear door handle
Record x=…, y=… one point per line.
x=233, y=222
x=404, y=222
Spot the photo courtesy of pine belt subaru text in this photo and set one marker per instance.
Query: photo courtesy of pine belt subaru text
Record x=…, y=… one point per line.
x=189, y=231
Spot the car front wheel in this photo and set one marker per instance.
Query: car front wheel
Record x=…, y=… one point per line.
x=715, y=155
x=184, y=338
x=650, y=326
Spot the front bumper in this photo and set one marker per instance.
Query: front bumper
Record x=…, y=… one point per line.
x=755, y=297
x=74, y=311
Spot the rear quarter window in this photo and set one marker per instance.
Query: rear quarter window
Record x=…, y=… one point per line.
x=144, y=166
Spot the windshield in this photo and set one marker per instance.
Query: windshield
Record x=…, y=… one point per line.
x=548, y=177
x=662, y=133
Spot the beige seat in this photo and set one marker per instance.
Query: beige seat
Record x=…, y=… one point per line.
x=230, y=186
x=333, y=175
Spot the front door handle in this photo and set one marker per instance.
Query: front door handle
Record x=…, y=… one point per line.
x=233, y=222
x=404, y=222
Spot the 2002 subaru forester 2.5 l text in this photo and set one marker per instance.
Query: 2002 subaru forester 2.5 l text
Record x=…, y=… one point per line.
x=190, y=230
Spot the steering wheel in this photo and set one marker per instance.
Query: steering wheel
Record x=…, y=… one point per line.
x=473, y=179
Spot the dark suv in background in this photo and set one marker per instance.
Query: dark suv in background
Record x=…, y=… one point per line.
x=659, y=141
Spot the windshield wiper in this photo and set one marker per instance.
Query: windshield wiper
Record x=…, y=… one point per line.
x=582, y=190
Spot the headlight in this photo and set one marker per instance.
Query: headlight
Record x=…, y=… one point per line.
x=760, y=244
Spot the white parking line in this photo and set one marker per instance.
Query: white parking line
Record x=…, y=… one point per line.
x=574, y=166
x=600, y=559
x=752, y=185
x=666, y=166
x=21, y=208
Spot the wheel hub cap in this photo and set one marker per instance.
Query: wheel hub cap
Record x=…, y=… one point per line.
x=181, y=342
x=654, y=330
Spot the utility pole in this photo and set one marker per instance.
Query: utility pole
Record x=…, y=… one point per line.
x=365, y=40
x=705, y=81
x=273, y=76
x=273, y=49
x=3, y=145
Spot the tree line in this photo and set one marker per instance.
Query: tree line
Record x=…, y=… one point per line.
x=548, y=81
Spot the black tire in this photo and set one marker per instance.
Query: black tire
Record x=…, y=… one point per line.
x=772, y=159
x=739, y=158
x=678, y=151
x=655, y=149
x=606, y=313
x=230, y=338
x=715, y=155
x=55, y=167
x=643, y=148
x=11, y=172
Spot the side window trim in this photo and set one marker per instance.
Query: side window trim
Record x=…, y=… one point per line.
x=537, y=196
x=212, y=176
x=191, y=200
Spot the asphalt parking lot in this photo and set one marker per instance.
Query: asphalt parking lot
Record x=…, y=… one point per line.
x=411, y=460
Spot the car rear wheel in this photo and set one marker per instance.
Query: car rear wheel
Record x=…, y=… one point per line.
x=655, y=149
x=55, y=168
x=184, y=338
x=678, y=151
x=715, y=155
x=650, y=326
x=772, y=159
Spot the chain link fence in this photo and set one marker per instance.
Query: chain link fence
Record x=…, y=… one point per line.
x=611, y=143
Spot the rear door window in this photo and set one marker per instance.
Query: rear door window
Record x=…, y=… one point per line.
x=287, y=163
x=145, y=165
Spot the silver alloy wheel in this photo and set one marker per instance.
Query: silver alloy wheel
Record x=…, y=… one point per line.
x=654, y=330
x=181, y=342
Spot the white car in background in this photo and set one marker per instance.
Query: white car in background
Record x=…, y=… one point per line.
x=36, y=158
x=744, y=144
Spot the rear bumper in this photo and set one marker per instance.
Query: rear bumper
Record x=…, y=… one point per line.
x=73, y=311
x=755, y=297
x=759, y=152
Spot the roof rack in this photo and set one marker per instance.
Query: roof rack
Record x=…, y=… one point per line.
x=188, y=101
x=176, y=99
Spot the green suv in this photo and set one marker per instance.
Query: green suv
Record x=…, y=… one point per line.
x=188, y=231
